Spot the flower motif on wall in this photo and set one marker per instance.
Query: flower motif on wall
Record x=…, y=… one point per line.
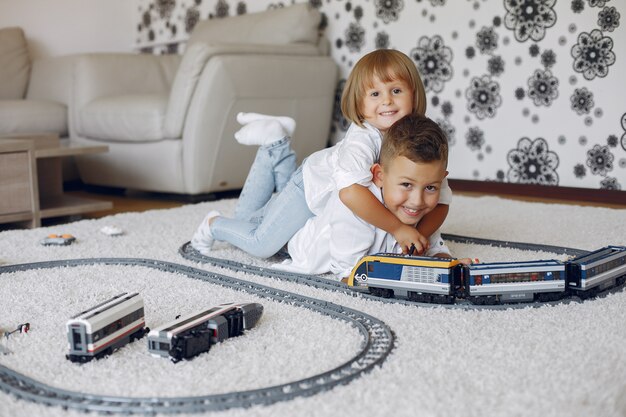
x=600, y=160
x=543, y=88
x=438, y=2
x=338, y=118
x=355, y=37
x=597, y=3
x=433, y=60
x=533, y=163
x=165, y=7
x=495, y=65
x=192, y=16
x=582, y=100
x=610, y=183
x=475, y=138
x=548, y=58
x=486, y=40
x=592, y=54
x=483, y=97
x=578, y=6
x=388, y=10
x=580, y=171
x=448, y=129
x=529, y=18
x=221, y=9
x=608, y=19
x=382, y=40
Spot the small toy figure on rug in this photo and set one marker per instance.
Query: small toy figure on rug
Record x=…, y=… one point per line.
x=111, y=230
x=58, y=240
x=5, y=334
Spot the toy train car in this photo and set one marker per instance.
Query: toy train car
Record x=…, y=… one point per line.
x=100, y=330
x=191, y=335
x=440, y=280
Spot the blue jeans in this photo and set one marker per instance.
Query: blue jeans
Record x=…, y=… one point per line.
x=264, y=223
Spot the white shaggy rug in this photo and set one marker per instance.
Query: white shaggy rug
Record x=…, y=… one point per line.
x=564, y=360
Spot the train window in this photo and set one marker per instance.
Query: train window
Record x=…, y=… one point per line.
x=370, y=267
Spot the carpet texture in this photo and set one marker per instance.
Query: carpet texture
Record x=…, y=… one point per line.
x=563, y=360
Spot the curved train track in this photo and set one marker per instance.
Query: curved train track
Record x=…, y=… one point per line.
x=188, y=252
x=377, y=338
x=377, y=343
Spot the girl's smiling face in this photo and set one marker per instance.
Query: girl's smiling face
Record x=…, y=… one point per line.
x=386, y=102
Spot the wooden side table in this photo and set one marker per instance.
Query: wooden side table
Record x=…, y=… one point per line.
x=45, y=182
x=19, y=195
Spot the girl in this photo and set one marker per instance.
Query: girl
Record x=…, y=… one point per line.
x=383, y=87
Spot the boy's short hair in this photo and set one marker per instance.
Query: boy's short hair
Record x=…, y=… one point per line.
x=417, y=138
x=387, y=65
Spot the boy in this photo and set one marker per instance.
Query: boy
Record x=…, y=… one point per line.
x=407, y=179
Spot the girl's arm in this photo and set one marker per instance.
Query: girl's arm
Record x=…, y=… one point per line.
x=432, y=221
x=366, y=206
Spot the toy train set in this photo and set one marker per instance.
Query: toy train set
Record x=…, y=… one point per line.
x=98, y=331
x=440, y=280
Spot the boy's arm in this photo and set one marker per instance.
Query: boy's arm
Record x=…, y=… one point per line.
x=365, y=205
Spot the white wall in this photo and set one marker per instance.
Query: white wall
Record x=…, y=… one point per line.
x=508, y=105
x=61, y=27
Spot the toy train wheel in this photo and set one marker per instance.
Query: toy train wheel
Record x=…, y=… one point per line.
x=381, y=292
x=548, y=296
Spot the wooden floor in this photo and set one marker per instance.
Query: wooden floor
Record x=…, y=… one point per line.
x=137, y=202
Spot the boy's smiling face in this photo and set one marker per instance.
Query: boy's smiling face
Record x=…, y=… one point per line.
x=410, y=189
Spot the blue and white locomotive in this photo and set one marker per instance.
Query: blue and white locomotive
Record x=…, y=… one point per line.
x=100, y=330
x=195, y=333
x=443, y=280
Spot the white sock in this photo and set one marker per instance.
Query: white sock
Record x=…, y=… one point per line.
x=261, y=132
x=202, y=240
x=286, y=122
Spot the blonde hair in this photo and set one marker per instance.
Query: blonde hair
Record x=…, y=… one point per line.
x=387, y=65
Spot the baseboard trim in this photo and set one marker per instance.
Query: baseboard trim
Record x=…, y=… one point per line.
x=541, y=191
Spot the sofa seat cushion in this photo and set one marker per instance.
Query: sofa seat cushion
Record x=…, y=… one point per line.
x=124, y=118
x=33, y=116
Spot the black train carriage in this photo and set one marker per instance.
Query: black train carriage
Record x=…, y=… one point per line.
x=597, y=271
x=100, y=330
x=193, y=334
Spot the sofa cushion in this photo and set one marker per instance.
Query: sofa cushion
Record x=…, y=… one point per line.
x=31, y=116
x=187, y=76
x=297, y=23
x=14, y=64
x=124, y=118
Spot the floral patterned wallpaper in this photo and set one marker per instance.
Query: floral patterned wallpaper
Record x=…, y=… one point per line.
x=528, y=91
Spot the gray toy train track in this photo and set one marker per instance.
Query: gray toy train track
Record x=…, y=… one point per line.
x=378, y=341
x=188, y=252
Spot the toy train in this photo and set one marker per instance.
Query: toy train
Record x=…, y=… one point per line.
x=194, y=334
x=100, y=330
x=440, y=280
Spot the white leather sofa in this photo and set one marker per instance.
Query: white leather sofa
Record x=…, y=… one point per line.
x=34, y=95
x=169, y=120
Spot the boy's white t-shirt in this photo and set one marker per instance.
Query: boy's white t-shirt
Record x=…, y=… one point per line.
x=336, y=239
x=348, y=162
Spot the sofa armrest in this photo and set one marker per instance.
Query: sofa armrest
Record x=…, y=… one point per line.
x=51, y=79
x=113, y=74
x=302, y=87
x=102, y=75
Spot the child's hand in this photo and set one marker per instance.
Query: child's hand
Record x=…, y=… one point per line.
x=407, y=236
x=469, y=261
